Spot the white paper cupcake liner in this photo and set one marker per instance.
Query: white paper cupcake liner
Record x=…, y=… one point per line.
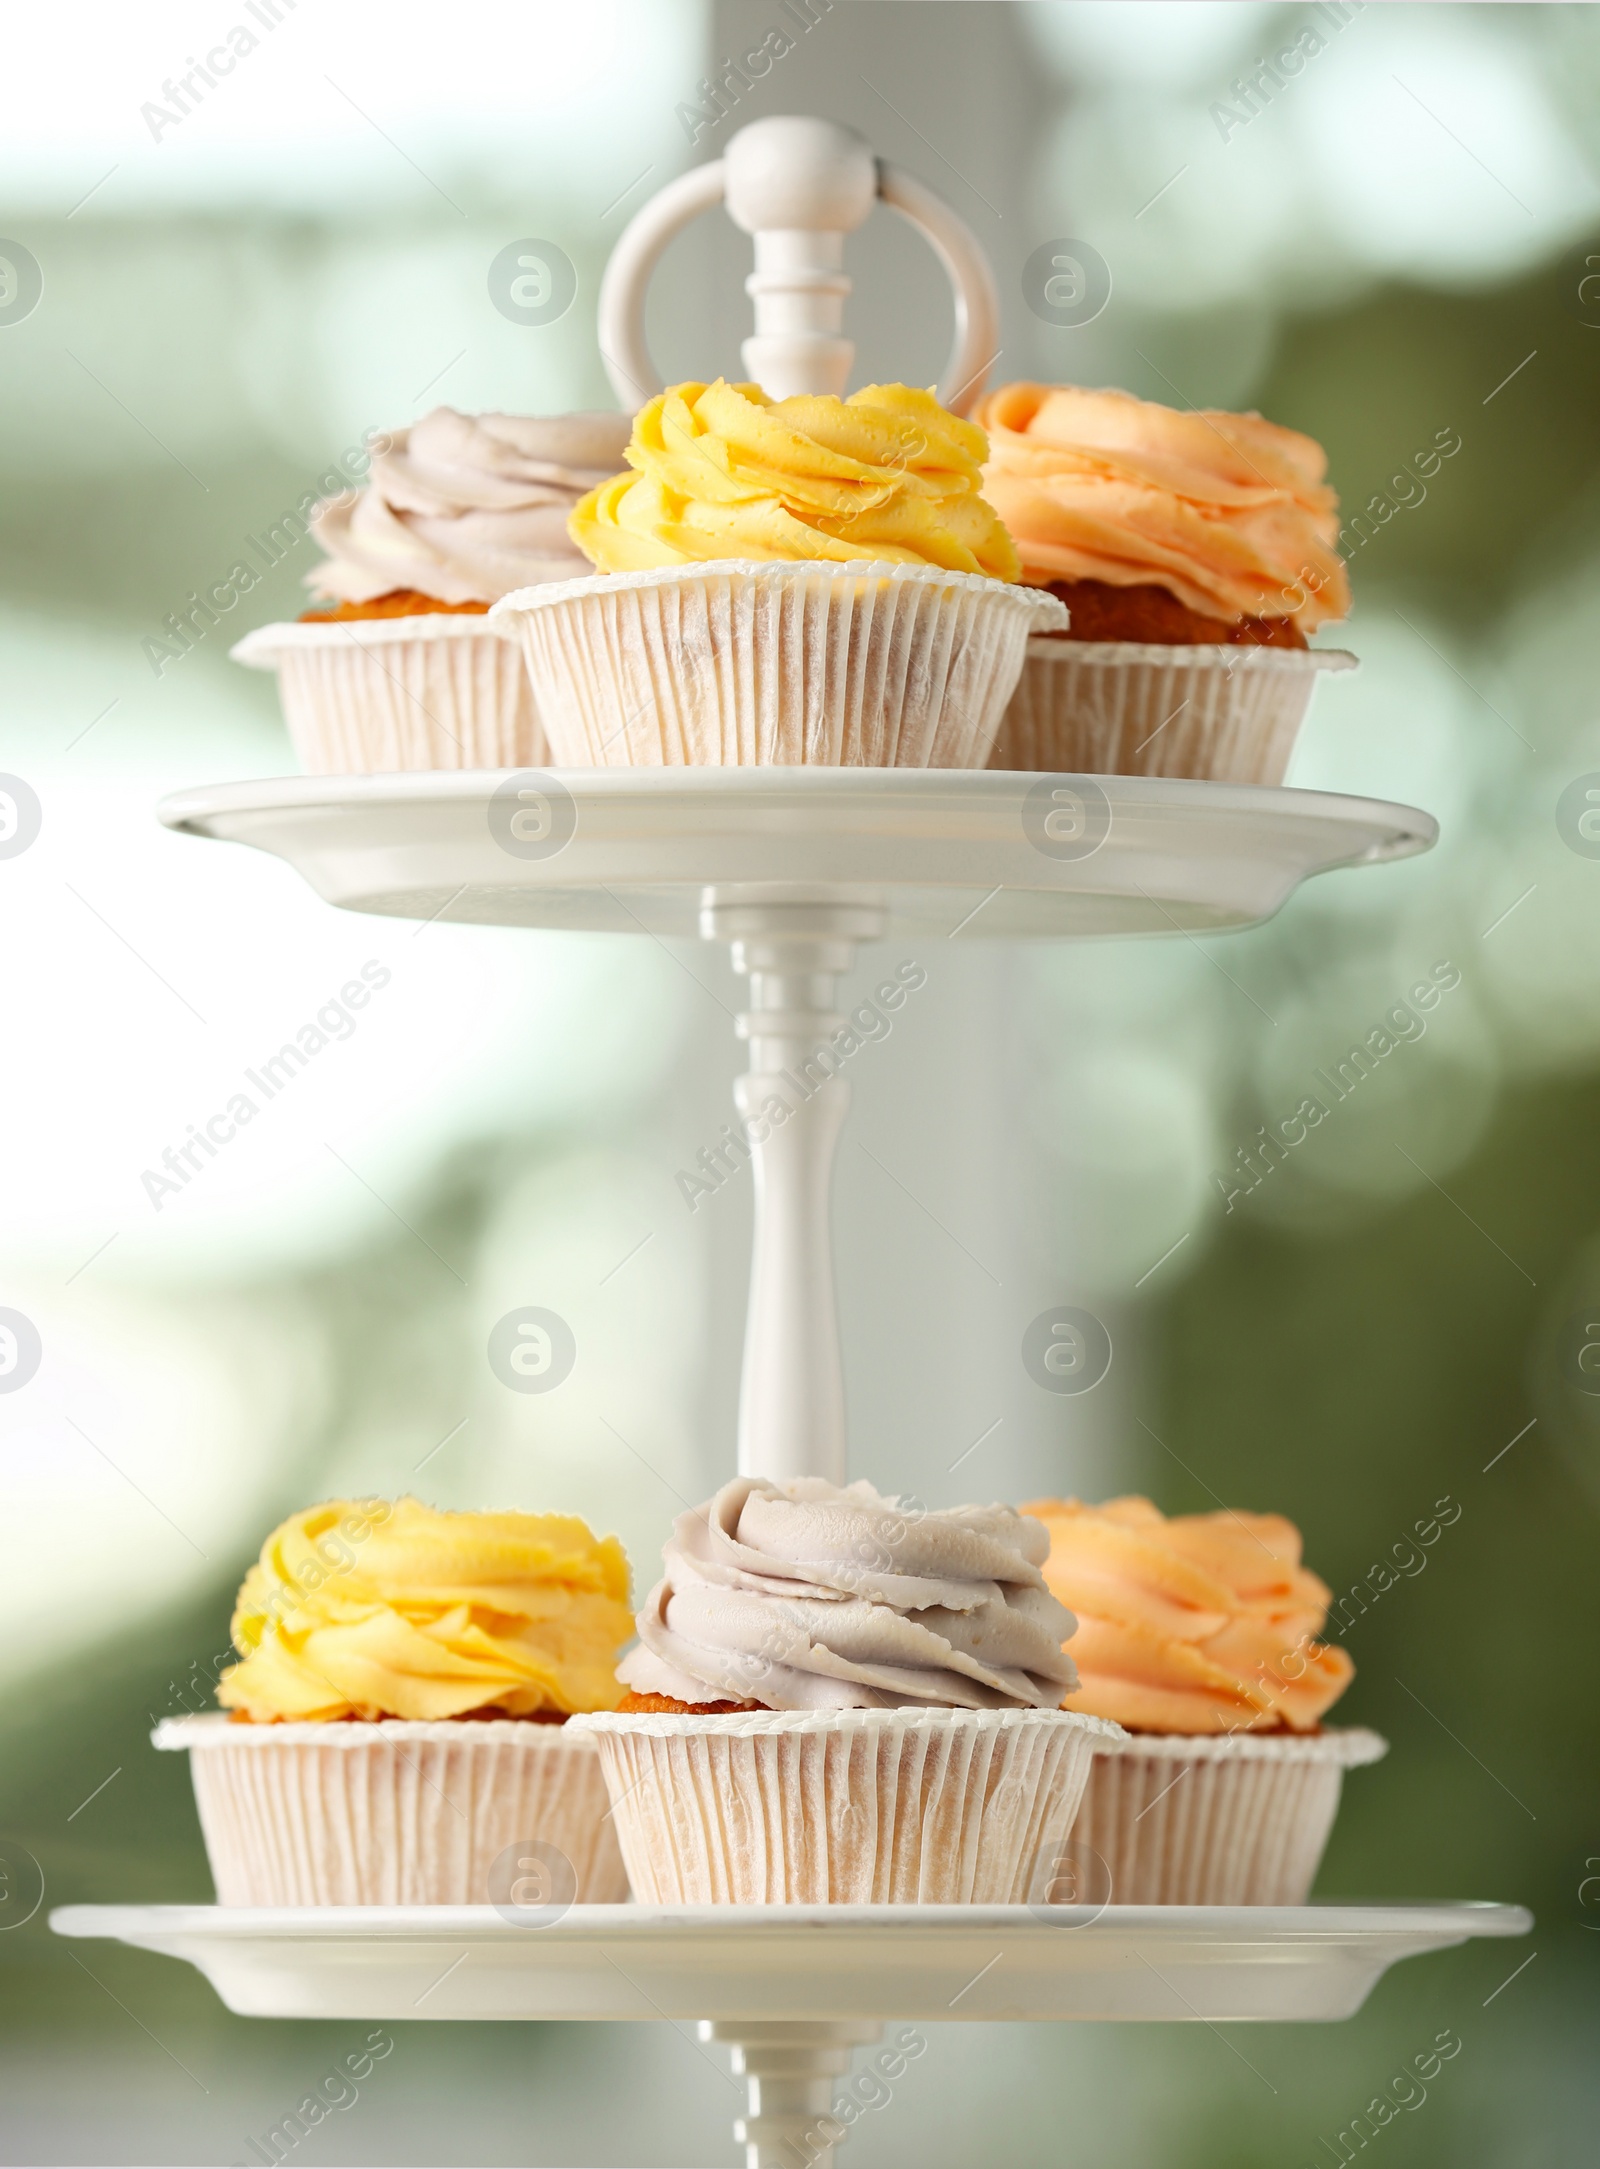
x=1241, y=1819
x=741, y=664
x=368, y=696
x=393, y=1813
x=1132, y=708
x=846, y=1807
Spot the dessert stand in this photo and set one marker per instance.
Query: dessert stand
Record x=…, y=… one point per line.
x=795, y=869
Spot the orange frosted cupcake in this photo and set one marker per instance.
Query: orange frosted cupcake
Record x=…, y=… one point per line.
x=1198, y=1634
x=398, y=667
x=1195, y=553
x=399, y=1711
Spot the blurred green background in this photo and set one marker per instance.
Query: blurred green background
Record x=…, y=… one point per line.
x=1393, y=247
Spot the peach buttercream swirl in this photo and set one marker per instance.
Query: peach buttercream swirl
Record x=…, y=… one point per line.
x=1203, y=1623
x=809, y=1596
x=466, y=507
x=1229, y=512
x=363, y=1609
x=722, y=471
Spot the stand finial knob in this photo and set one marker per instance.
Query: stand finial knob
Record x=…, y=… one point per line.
x=798, y=186
x=792, y=170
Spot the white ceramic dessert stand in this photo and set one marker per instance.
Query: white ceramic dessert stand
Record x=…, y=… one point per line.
x=795, y=868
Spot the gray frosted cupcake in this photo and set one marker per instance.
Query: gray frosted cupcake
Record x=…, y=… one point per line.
x=400, y=667
x=841, y=1699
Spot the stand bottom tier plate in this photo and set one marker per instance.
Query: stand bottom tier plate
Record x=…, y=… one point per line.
x=796, y=1963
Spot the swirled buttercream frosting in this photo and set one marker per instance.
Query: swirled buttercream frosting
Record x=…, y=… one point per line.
x=1229, y=512
x=803, y=1596
x=720, y=470
x=466, y=507
x=363, y=1609
x=1202, y=1623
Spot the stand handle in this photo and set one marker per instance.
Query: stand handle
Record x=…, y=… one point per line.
x=798, y=185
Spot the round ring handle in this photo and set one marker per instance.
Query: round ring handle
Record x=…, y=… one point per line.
x=798, y=185
x=623, y=347
x=976, y=345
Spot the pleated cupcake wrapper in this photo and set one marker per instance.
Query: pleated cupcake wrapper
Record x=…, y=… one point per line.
x=1242, y=1820
x=855, y=1807
x=1127, y=708
x=375, y=695
x=393, y=1814
x=867, y=665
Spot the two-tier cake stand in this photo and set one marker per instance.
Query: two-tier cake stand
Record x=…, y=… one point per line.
x=796, y=868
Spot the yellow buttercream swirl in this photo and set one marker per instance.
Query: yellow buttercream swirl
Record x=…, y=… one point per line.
x=722, y=471
x=1203, y=1623
x=363, y=1609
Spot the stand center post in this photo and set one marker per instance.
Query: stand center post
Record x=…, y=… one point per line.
x=792, y=1103
x=792, y=2067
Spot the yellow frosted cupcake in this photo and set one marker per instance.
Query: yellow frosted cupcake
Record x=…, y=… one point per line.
x=1198, y=1635
x=806, y=580
x=399, y=1711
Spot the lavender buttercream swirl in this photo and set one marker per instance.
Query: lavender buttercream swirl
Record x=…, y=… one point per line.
x=467, y=507
x=805, y=1596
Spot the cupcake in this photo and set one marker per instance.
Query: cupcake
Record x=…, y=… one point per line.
x=1195, y=552
x=840, y=1700
x=807, y=580
x=1198, y=1635
x=401, y=669
x=399, y=1711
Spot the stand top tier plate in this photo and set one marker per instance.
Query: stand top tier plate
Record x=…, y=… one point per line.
x=971, y=854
